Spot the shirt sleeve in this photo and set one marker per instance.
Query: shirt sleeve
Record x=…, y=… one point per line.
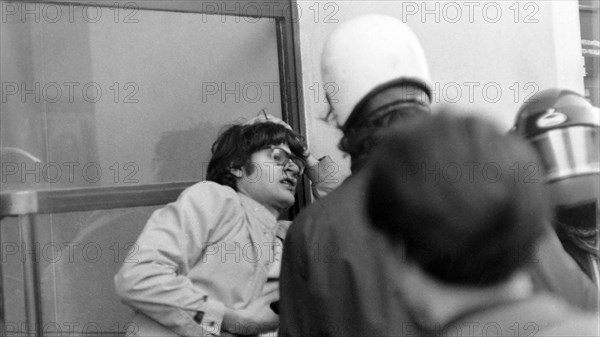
x=156, y=283
x=323, y=176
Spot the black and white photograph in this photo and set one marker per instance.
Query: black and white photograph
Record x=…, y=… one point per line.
x=299, y=168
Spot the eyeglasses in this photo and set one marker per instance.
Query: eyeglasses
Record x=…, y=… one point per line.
x=283, y=158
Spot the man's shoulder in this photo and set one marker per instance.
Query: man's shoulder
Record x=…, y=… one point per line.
x=209, y=188
x=540, y=315
x=568, y=321
x=208, y=194
x=582, y=324
x=343, y=205
x=337, y=200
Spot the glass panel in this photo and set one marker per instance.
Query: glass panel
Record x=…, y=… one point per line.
x=101, y=97
x=78, y=255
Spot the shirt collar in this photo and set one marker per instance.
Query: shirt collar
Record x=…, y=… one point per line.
x=257, y=209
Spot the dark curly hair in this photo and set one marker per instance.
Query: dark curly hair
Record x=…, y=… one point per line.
x=236, y=143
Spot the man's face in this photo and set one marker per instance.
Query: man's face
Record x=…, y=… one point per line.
x=332, y=115
x=270, y=183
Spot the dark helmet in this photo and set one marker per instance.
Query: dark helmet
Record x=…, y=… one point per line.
x=554, y=109
x=565, y=129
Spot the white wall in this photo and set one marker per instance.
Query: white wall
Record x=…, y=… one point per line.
x=468, y=49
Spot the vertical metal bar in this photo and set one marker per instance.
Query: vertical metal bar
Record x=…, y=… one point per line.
x=2, y=304
x=290, y=97
x=594, y=270
x=284, y=80
x=33, y=315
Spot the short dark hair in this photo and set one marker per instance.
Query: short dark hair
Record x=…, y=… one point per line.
x=429, y=191
x=236, y=143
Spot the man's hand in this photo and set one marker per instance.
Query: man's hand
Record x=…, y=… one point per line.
x=256, y=318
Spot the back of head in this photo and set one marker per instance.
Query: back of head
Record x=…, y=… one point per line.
x=456, y=193
x=364, y=53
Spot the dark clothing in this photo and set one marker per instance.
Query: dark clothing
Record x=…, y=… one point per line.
x=581, y=243
x=339, y=276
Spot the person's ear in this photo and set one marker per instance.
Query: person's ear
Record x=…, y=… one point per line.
x=236, y=172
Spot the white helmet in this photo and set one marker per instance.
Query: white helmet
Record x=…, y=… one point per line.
x=366, y=52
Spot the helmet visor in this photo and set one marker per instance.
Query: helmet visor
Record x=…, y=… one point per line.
x=569, y=152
